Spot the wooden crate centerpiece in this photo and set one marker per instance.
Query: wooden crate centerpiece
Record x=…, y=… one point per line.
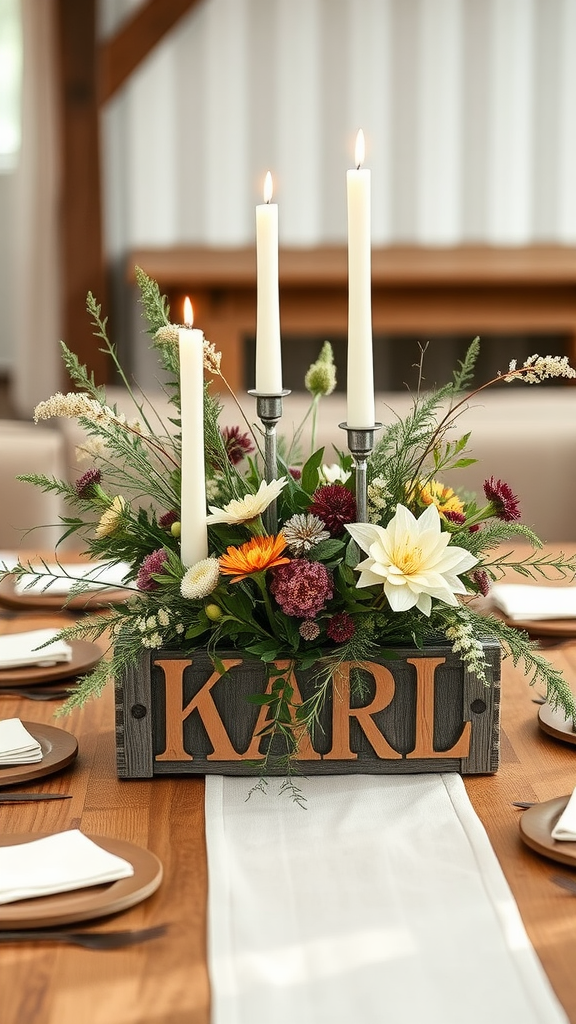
x=421, y=711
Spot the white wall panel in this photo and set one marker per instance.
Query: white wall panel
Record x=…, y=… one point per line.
x=468, y=107
x=439, y=139
x=510, y=169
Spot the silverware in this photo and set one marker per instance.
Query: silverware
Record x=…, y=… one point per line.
x=522, y=803
x=36, y=694
x=564, y=883
x=90, y=940
x=21, y=798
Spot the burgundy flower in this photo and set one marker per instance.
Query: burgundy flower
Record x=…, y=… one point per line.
x=152, y=565
x=237, y=444
x=86, y=483
x=166, y=520
x=482, y=580
x=454, y=517
x=302, y=588
x=341, y=627
x=504, y=502
x=295, y=472
x=335, y=506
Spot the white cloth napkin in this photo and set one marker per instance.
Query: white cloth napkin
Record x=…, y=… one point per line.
x=17, y=746
x=382, y=901
x=525, y=602
x=19, y=649
x=63, y=577
x=57, y=863
x=565, y=827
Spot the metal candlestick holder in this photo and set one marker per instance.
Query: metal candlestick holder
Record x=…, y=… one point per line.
x=360, y=444
x=269, y=411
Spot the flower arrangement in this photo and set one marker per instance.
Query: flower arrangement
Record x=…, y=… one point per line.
x=320, y=589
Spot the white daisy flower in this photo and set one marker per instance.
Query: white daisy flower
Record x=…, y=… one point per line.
x=241, y=510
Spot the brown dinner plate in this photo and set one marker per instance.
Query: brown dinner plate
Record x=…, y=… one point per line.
x=536, y=826
x=47, y=601
x=554, y=723
x=59, y=749
x=91, y=902
x=85, y=656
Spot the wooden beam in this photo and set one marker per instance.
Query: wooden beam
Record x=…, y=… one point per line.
x=120, y=55
x=81, y=223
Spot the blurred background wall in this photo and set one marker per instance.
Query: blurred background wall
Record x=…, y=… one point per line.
x=468, y=107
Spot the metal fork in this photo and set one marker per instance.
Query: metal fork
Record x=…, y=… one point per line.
x=36, y=694
x=89, y=940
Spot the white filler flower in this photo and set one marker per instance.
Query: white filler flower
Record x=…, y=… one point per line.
x=200, y=579
x=412, y=559
x=241, y=510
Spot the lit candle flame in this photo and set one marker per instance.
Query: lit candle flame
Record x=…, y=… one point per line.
x=360, y=149
x=268, y=187
x=188, y=314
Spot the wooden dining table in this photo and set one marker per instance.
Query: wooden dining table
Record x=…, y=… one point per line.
x=165, y=980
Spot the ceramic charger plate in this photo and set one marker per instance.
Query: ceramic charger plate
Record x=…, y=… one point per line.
x=59, y=749
x=93, y=901
x=536, y=826
x=85, y=656
x=47, y=601
x=554, y=722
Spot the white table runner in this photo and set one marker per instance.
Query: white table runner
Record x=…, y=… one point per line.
x=382, y=903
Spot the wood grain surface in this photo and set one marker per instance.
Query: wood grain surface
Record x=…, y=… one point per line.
x=166, y=981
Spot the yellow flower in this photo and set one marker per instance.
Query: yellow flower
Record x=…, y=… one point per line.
x=110, y=519
x=254, y=556
x=436, y=493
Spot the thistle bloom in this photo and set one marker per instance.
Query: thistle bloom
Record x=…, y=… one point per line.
x=504, y=503
x=335, y=506
x=412, y=559
x=111, y=519
x=200, y=579
x=242, y=510
x=165, y=521
x=302, y=532
x=152, y=565
x=87, y=483
x=237, y=444
x=255, y=555
x=302, y=588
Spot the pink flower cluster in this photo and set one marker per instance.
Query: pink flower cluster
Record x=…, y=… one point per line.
x=302, y=588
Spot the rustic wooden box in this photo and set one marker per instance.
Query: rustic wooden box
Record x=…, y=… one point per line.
x=422, y=711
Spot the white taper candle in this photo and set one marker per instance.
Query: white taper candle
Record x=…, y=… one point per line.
x=360, y=384
x=268, y=347
x=194, y=534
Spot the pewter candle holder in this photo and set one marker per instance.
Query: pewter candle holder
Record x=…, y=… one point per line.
x=360, y=444
x=269, y=411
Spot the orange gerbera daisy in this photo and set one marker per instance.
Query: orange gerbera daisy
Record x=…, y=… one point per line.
x=254, y=556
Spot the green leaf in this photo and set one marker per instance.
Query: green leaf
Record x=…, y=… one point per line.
x=353, y=554
x=325, y=550
x=309, y=479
